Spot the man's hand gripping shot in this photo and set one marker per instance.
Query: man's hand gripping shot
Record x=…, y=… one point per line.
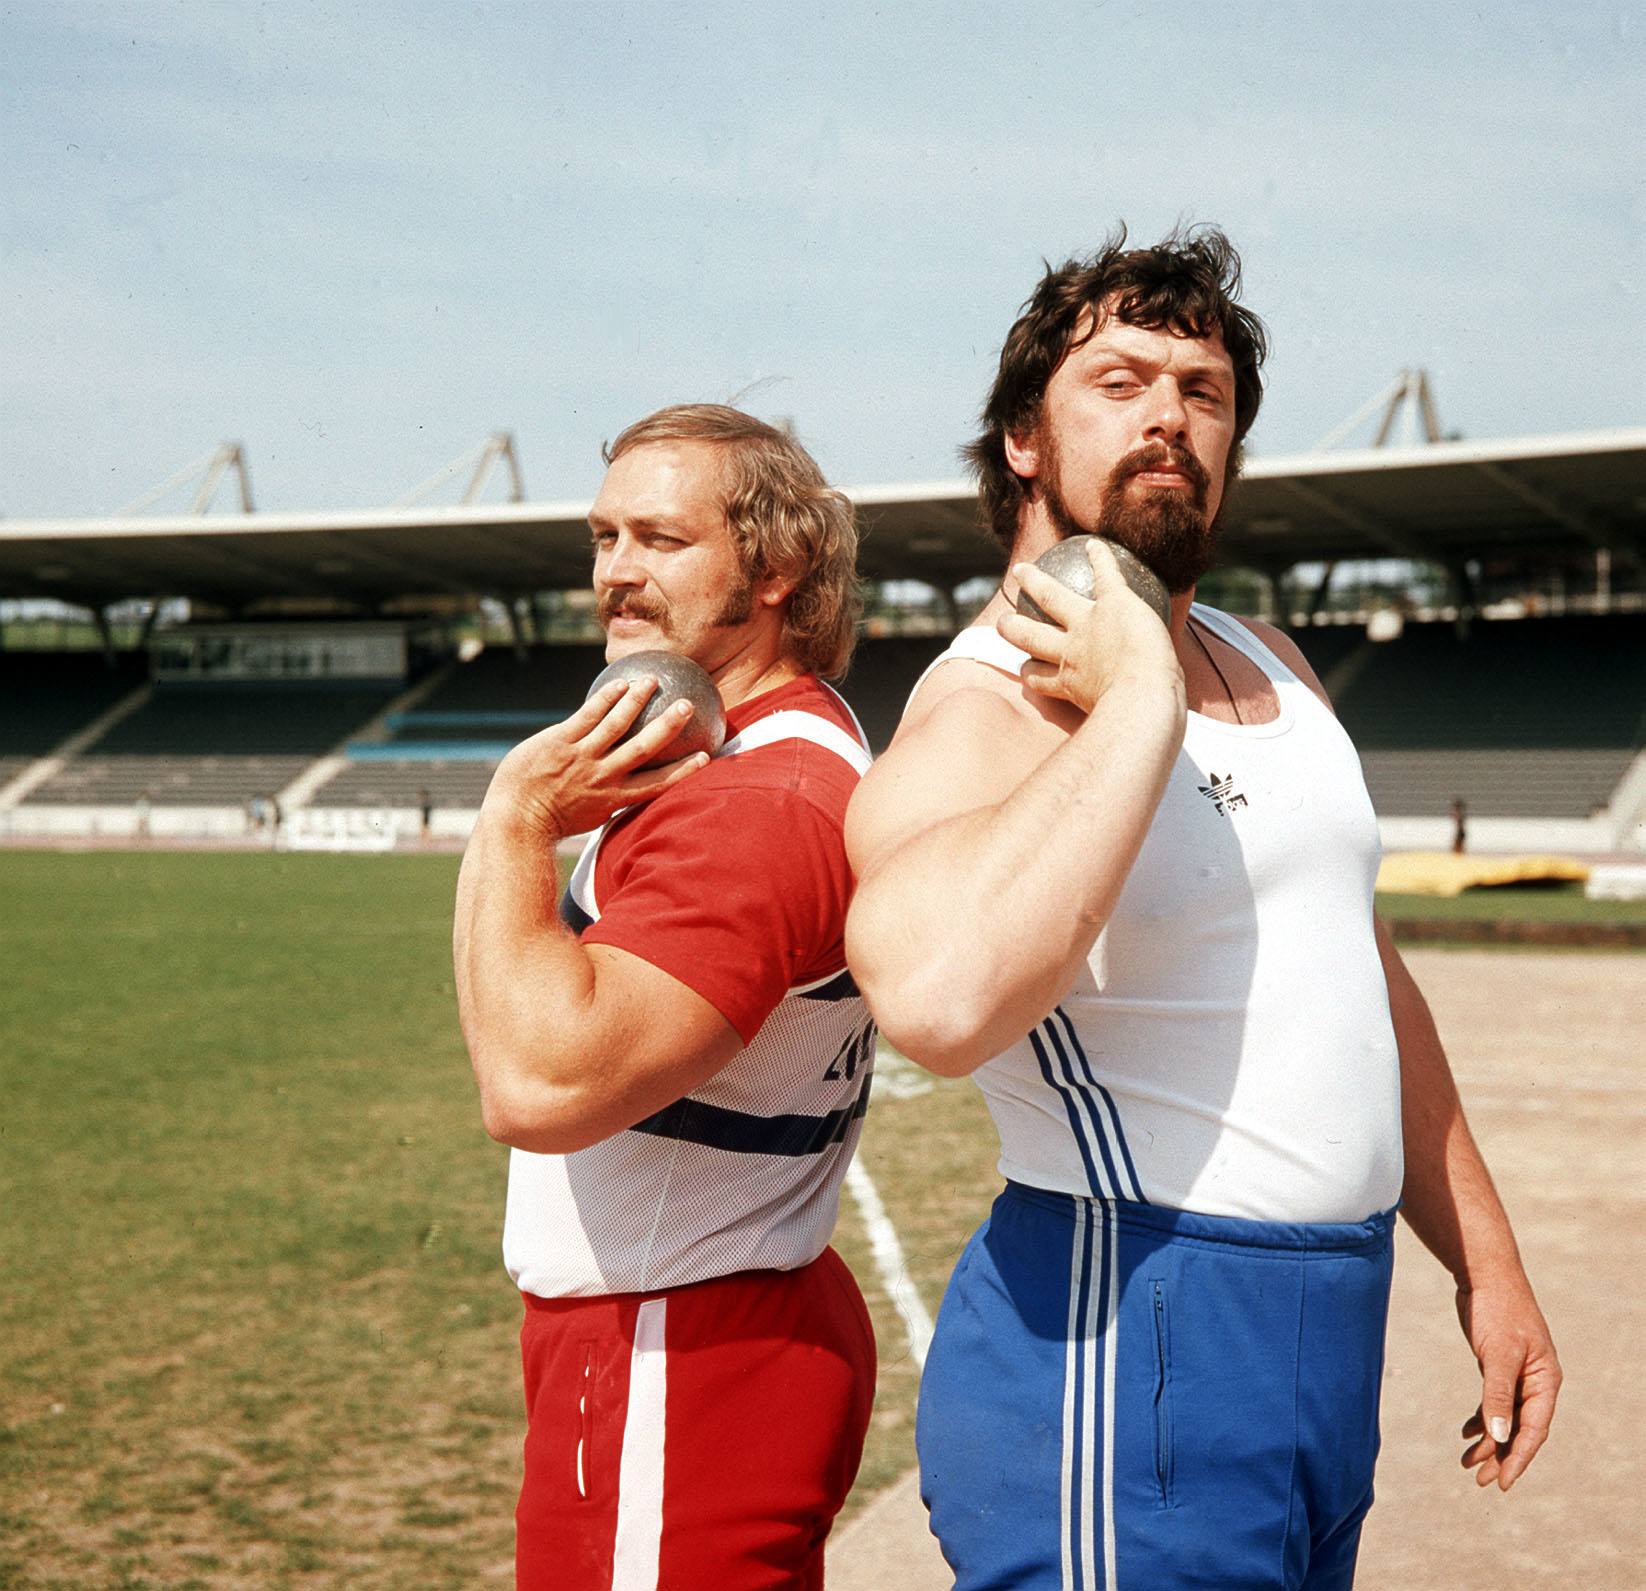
x=657, y=1039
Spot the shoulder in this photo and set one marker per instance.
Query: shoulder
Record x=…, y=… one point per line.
x=737, y=804
x=755, y=792
x=1287, y=650
x=971, y=735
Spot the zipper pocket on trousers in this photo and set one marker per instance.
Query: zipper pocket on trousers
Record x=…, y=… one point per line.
x=1163, y=1454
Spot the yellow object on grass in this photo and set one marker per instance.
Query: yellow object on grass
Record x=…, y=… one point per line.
x=1445, y=873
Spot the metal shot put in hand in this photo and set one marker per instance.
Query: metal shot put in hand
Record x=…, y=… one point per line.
x=1069, y=562
x=678, y=679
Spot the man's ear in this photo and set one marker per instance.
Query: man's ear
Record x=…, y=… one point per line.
x=772, y=589
x=1023, y=453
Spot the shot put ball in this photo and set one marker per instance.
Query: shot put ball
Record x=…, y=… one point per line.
x=678, y=679
x=1068, y=563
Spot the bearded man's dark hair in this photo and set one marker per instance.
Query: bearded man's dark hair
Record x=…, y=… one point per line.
x=1187, y=284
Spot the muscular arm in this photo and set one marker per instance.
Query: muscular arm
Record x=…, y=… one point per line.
x=569, y=1045
x=990, y=848
x=1451, y=1204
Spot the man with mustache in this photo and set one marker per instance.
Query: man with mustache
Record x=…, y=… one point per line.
x=677, y=1056
x=1121, y=873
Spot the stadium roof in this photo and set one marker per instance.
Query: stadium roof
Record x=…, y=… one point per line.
x=1447, y=501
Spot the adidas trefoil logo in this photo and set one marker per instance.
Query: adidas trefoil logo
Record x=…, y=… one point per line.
x=1222, y=793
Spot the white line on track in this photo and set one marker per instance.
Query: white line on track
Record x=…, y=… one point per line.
x=889, y=1261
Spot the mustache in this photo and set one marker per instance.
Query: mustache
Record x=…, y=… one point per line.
x=1153, y=455
x=630, y=604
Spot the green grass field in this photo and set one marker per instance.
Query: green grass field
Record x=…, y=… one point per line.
x=1551, y=903
x=255, y=1330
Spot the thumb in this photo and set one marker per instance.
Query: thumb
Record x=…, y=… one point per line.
x=1499, y=1375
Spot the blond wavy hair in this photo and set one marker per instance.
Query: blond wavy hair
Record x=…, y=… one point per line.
x=785, y=520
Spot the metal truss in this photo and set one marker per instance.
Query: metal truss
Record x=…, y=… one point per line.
x=499, y=446
x=212, y=468
x=1409, y=391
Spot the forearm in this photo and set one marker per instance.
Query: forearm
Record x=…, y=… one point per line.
x=966, y=936
x=522, y=978
x=1449, y=1198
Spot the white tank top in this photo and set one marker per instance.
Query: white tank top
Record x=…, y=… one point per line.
x=1228, y=1048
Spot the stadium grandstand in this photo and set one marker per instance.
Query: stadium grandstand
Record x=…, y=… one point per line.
x=352, y=678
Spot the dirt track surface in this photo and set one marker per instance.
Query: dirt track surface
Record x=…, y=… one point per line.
x=1545, y=1048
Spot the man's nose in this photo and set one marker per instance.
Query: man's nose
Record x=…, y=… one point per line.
x=620, y=565
x=1165, y=419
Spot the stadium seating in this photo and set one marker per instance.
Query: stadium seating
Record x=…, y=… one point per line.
x=1534, y=718
x=46, y=696
x=398, y=782
x=483, y=701
x=212, y=745
x=484, y=705
x=553, y=679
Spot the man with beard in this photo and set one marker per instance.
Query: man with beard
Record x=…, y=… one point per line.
x=677, y=1056
x=1121, y=872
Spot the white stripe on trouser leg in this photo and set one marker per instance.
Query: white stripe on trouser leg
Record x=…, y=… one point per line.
x=640, y=1471
x=1091, y=1453
x=1066, y=1498
x=1111, y=1333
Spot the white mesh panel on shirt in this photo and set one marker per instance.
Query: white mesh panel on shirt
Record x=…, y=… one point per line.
x=640, y=1211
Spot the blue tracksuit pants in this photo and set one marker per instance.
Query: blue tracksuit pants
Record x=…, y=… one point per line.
x=1122, y=1397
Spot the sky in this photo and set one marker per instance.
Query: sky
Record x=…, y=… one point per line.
x=359, y=237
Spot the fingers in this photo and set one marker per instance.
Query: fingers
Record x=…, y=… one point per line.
x=654, y=781
x=1500, y=1369
x=631, y=754
x=1055, y=599
x=624, y=702
x=1105, y=569
x=1482, y=1454
x=1528, y=1439
x=1539, y=1389
x=1505, y=1461
x=1044, y=641
x=593, y=709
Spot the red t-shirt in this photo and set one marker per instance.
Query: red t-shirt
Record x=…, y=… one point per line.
x=735, y=881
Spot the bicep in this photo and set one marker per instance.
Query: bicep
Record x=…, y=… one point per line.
x=970, y=751
x=660, y=1037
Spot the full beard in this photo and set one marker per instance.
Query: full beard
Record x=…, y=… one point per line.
x=1163, y=526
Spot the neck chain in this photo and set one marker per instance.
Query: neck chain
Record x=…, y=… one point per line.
x=1218, y=670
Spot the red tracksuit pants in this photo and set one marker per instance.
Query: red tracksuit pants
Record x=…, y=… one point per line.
x=698, y=1439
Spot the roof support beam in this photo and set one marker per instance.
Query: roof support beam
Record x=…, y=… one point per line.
x=1384, y=535
x=1592, y=530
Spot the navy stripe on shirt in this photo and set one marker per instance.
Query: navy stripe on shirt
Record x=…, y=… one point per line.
x=745, y=1134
